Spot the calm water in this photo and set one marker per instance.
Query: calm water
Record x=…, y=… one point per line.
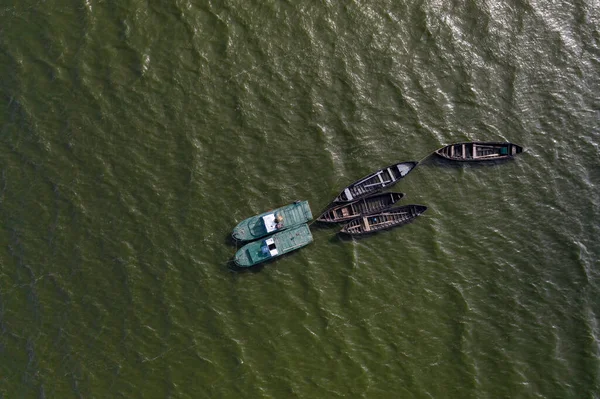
x=135, y=135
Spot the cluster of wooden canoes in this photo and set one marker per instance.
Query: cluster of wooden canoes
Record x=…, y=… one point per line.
x=363, y=207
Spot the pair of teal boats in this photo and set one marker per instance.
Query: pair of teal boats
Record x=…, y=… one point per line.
x=273, y=233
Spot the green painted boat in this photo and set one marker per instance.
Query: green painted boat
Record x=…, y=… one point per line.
x=276, y=245
x=272, y=221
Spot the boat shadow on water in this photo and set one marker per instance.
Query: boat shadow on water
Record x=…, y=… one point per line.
x=229, y=240
x=342, y=237
x=234, y=268
x=338, y=237
x=325, y=226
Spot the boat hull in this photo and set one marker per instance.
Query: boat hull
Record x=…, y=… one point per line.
x=479, y=151
x=351, y=210
x=375, y=182
x=274, y=246
x=270, y=222
x=385, y=220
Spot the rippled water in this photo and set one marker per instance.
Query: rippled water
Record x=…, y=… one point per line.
x=136, y=135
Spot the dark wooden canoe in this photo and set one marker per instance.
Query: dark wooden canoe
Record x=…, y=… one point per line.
x=479, y=151
x=377, y=181
x=384, y=220
x=354, y=209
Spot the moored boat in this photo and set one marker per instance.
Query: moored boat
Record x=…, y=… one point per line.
x=276, y=245
x=479, y=151
x=377, y=181
x=272, y=221
x=384, y=220
x=354, y=209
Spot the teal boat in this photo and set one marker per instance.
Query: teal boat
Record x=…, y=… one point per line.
x=273, y=221
x=276, y=245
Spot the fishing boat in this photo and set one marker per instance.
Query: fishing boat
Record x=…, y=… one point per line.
x=377, y=181
x=272, y=221
x=479, y=151
x=354, y=209
x=384, y=220
x=276, y=245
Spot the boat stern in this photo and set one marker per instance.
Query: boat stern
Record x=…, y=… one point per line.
x=420, y=209
x=249, y=229
x=343, y=197
x=516, y=149
x=242, y=258
x=256, y=252
x=241, y=232
x=307, y=212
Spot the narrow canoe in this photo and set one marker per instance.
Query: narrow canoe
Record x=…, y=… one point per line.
x=272, y=221
x=276, y=245
x=354, y=209
x=377, y=181
x=479, y=151
x=384, y=220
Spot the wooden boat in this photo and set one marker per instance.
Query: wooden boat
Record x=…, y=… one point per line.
x=354, y=209
x=384, y=220
x=272, y=221
x=479, y=151
x=276, y=245
x=383, y=178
